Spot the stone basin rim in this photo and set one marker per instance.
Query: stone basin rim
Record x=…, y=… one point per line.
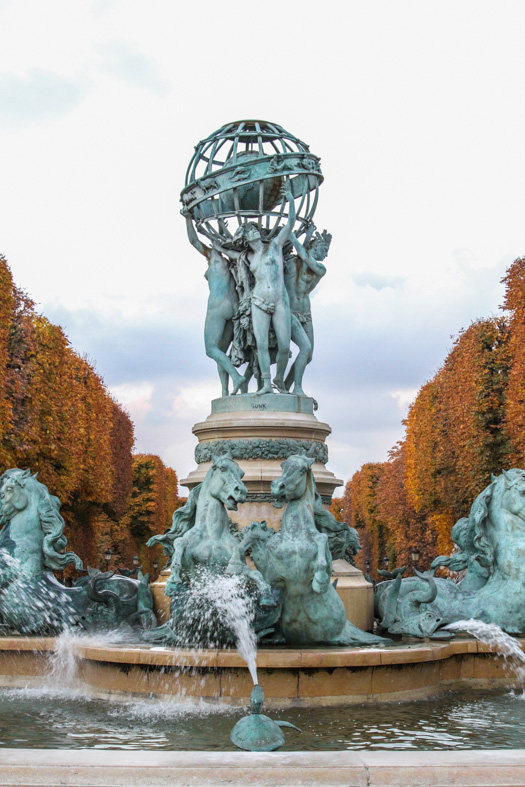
x=373, y=768
x=271, y=658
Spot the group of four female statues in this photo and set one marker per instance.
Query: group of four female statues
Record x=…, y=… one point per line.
x=259, y=302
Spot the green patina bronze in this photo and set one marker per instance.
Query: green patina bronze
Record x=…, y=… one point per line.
x=259, y=448
x=274, y=403
x=32, y=544
x=258, y=732
x=490, y=549
x=303, y=273
x=199, y=542
x=294, y=598
x=267, y=181
x=297, y=562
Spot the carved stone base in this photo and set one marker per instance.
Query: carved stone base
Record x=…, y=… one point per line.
x=356, y=594
x=260, y=432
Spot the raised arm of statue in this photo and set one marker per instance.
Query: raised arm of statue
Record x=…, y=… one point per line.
x=232, y=254
x=195, y=240
x=286, y=232
x=308, y=258
x=310, y=232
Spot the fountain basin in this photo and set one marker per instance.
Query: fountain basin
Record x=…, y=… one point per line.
x=44, y=717
x=300, y=677
x=351, y=769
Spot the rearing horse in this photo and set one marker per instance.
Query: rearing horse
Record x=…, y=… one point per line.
x=297, y=560
x=200, y=534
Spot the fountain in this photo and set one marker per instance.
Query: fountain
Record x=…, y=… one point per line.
x=250, y=600
x=258, y=732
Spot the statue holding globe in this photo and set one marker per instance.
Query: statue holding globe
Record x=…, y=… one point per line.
x=270, y=305
x=303, y=272
x=223, y=303
x=267, y=181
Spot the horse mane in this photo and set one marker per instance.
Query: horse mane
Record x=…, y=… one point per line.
x=50, y=519
x=183, y=520
x=471, y=534
x=480, y=516
x=52, y=524
x=480, y=547
x=343, y=541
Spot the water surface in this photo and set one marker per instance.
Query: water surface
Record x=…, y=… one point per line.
x=39, y=718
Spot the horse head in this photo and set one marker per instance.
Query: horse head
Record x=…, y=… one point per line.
x=224, y=482
x=20, y=491
x=295, y=480
x=14, y=497
x=497, y=513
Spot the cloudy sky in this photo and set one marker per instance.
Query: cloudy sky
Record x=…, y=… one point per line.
x=416, y=109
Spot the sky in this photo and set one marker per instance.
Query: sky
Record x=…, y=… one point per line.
x=416, y=110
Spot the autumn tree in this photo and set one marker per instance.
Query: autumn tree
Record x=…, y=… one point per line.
x=58, y=418
x=7, y=305
x=467, y=422
x=361, y=510
x=153, y=499
x=515, y=405
x=337, y=508
x=407, y=527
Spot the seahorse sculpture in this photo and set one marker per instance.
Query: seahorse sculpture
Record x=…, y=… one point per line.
x=32, y=544
x=491, y=550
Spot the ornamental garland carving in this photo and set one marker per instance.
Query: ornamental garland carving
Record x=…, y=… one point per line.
x=266, y=497
x=259, y=448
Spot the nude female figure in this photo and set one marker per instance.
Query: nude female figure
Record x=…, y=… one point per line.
x=223, y=303
x=270, y=306
x=302, y=273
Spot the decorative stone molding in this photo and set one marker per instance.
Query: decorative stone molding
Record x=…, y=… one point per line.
x=264, y=497
x=259, y=448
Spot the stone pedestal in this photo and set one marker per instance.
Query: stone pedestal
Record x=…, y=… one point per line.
x=260, y=432
x=161, y=602
x=356, y=594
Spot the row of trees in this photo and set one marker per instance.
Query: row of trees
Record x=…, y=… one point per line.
x=57, y=417
x=467, y=422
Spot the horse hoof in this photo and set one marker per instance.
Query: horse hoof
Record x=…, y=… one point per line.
x=267, y=600
x=320, y=584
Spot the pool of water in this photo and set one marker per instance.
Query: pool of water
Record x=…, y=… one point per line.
x=35, y=718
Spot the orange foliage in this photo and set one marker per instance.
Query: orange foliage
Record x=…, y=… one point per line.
x=466, y=423
x=153, y=499
x=337, y=508
x=361, y=511
x=455, y=428
x=406, y=527
x=57, y=417
x=515, y=409
x=6, y=318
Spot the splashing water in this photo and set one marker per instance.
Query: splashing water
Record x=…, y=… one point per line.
x=33, y=605
x=498, y=640
x=215, y=601
x=63, y=663
x=61, y=678
x=237, y=611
